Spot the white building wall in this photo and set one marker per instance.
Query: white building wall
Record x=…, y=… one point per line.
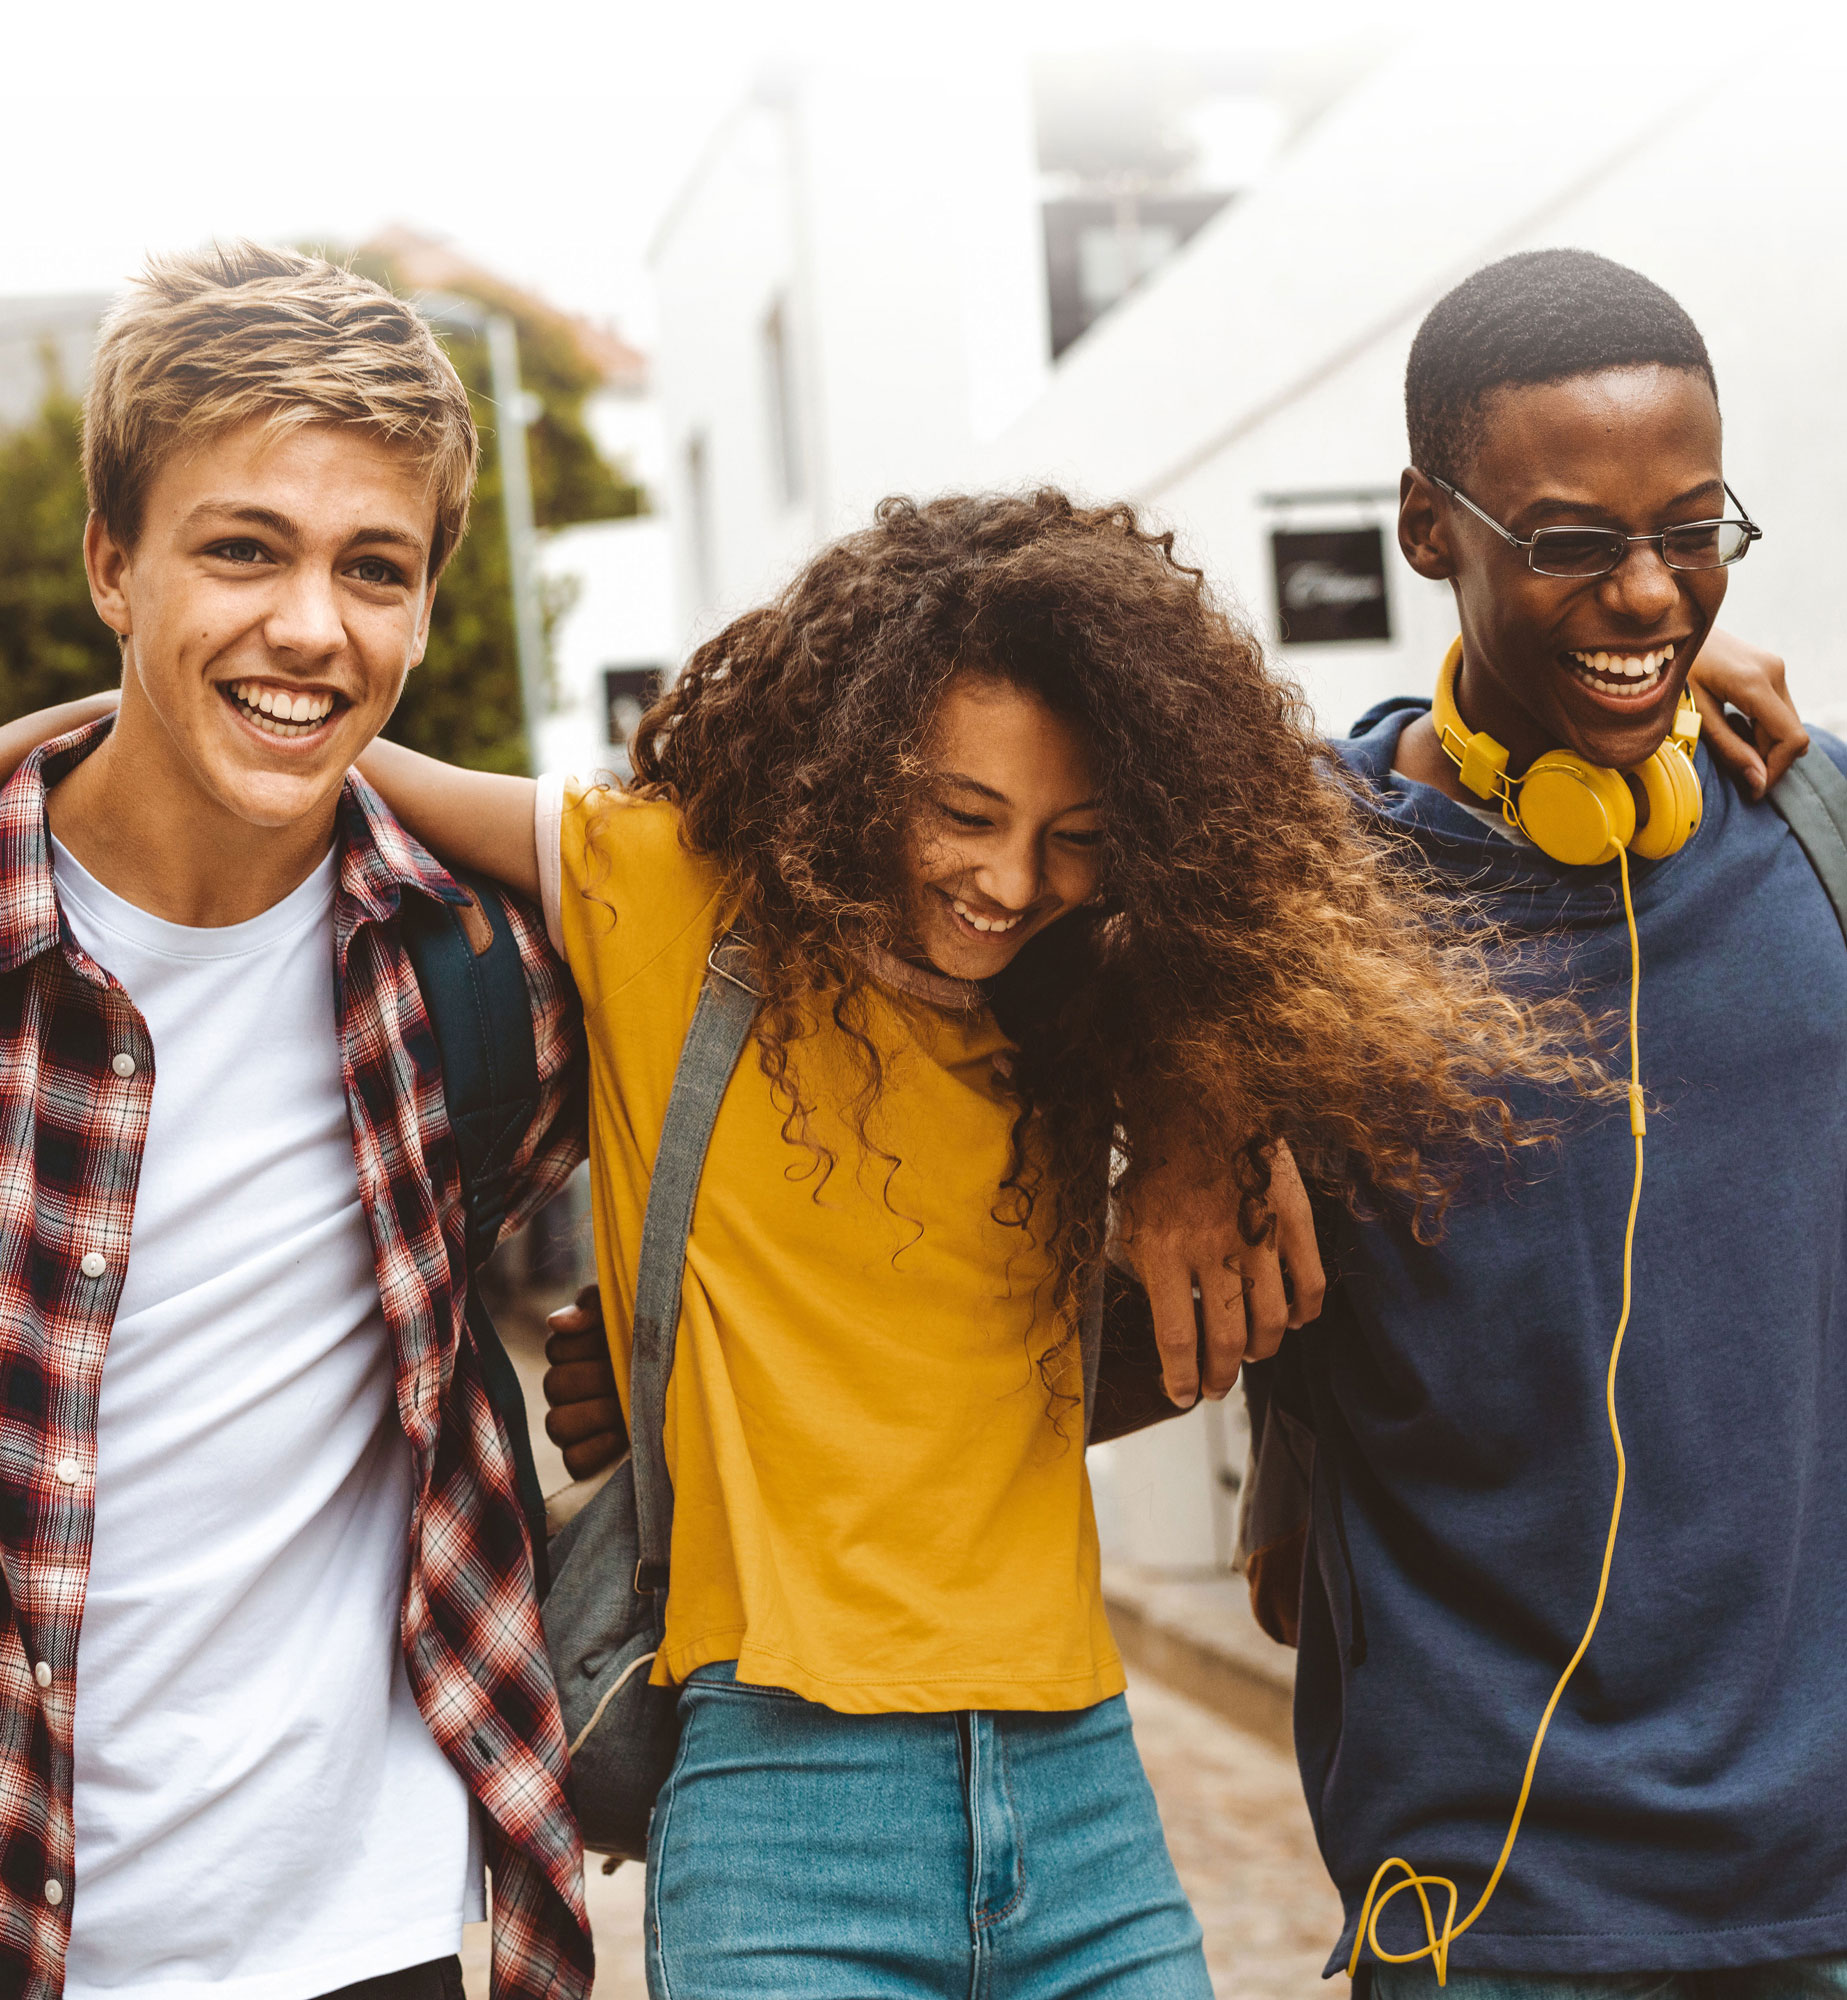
x=895, y=218
x=621, y=614
x=1270, y=355
x=725, y=254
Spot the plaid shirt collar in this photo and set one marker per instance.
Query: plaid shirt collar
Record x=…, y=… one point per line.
x=378, y=859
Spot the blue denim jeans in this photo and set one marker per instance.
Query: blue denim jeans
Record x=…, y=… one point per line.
x=1789, y=1979
x=967, y=1856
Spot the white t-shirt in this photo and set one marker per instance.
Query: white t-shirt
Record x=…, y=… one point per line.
x=262, y=1813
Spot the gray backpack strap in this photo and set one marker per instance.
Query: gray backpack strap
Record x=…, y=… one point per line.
x=721, y=1027
x=1812, y=796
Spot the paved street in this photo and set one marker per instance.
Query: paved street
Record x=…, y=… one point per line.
x=1239, y=1835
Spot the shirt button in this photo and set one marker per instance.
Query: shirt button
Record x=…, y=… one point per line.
x=42, y=1673
x=123, y=1064
x=69, y=1471
x=94, y=1264
x=54, y=1892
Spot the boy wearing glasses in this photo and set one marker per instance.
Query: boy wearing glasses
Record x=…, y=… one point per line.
x=1684, y=1834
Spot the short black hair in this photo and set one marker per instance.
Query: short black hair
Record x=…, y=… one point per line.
x=1538, y=316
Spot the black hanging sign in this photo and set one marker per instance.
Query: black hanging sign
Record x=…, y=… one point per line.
x=1330, y=585
x=628, y=693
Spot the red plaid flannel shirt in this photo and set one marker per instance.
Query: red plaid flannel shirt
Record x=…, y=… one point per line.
x=76, y=1079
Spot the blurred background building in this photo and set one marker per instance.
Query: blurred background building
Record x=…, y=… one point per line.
x=1194, y=284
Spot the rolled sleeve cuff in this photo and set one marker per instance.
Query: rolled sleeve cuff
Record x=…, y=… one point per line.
x=548, y=838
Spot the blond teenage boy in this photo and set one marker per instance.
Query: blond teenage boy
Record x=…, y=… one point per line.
x=272, y=1685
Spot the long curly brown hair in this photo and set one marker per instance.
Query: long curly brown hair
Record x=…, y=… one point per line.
x=1256, y=966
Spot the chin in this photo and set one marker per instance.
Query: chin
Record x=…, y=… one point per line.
x=273, y=799
x=270, y=791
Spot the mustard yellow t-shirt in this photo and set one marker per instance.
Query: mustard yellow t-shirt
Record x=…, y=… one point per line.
x=875, y=1505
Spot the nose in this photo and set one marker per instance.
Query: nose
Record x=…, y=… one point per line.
x=1012, y=876
x=304, y=618
x=1642, y=588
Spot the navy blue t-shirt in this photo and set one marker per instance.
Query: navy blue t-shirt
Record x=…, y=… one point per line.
x=1690, y=1808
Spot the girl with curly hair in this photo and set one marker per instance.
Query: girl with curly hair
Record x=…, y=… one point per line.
x=1044, y=875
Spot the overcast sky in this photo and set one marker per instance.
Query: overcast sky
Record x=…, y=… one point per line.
x=543, y=138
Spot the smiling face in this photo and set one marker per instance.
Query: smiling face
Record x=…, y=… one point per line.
x=1595, y=664
x=1009, y=833
x=272, y=604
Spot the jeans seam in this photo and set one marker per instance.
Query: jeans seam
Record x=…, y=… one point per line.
x=665, y=1810
x=1019, y=1845
x=976, y=1934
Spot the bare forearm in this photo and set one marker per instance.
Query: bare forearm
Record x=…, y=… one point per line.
x=19, y=739
x=467, y=819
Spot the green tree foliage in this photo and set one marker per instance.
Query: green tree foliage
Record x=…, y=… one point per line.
x=463, y=702
x=53, y=647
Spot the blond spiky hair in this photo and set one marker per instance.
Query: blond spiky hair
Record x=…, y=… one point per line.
x=203, y=344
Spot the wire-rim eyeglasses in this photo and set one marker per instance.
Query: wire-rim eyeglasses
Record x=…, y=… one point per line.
x=1580, y=553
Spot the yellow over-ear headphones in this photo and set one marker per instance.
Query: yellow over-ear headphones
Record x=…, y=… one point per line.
x=1576, y=811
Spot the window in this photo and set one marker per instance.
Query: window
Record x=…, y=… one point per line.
x=786, y=466
x=699, y=520
x=628, y=693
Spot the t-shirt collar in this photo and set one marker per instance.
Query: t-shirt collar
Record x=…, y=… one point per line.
x=378, y=859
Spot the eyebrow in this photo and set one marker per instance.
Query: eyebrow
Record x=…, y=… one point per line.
x=1552, y=502
x=969, y=784
x=280, y=524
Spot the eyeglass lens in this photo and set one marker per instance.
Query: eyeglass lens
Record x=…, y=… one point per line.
x=1597, y=551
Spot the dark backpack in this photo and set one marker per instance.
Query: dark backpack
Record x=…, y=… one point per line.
x=467, y=966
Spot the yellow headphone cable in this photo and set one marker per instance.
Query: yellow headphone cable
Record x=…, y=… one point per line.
x=1374, y=1907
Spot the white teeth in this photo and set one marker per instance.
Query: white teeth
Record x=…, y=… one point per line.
x=968, y=916
x=1623, y=673
x=281, y=714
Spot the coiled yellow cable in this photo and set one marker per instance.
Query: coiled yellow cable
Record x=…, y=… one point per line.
x=1437, y=1950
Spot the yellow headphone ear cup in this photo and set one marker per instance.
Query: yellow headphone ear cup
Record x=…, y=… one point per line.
x=1577, y=812
x=1672, y=788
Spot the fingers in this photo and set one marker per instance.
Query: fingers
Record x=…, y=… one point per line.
x=1783, y=751
x=1266, y=1305
x=1222, y=1307
x=581, y=1460
x=1732, y=750
x=586, y=1311
x=1168, y=1281
x=578, y=1382
x=577, y=1346
x=572, y=1423
x=1296, y=1244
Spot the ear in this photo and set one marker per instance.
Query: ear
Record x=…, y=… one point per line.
x=105, y=561
x=1423, y=527
x=423, y=622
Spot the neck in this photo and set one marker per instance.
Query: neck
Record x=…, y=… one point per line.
x=1481, y=705
x=1421, y=754
x=136, y=816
